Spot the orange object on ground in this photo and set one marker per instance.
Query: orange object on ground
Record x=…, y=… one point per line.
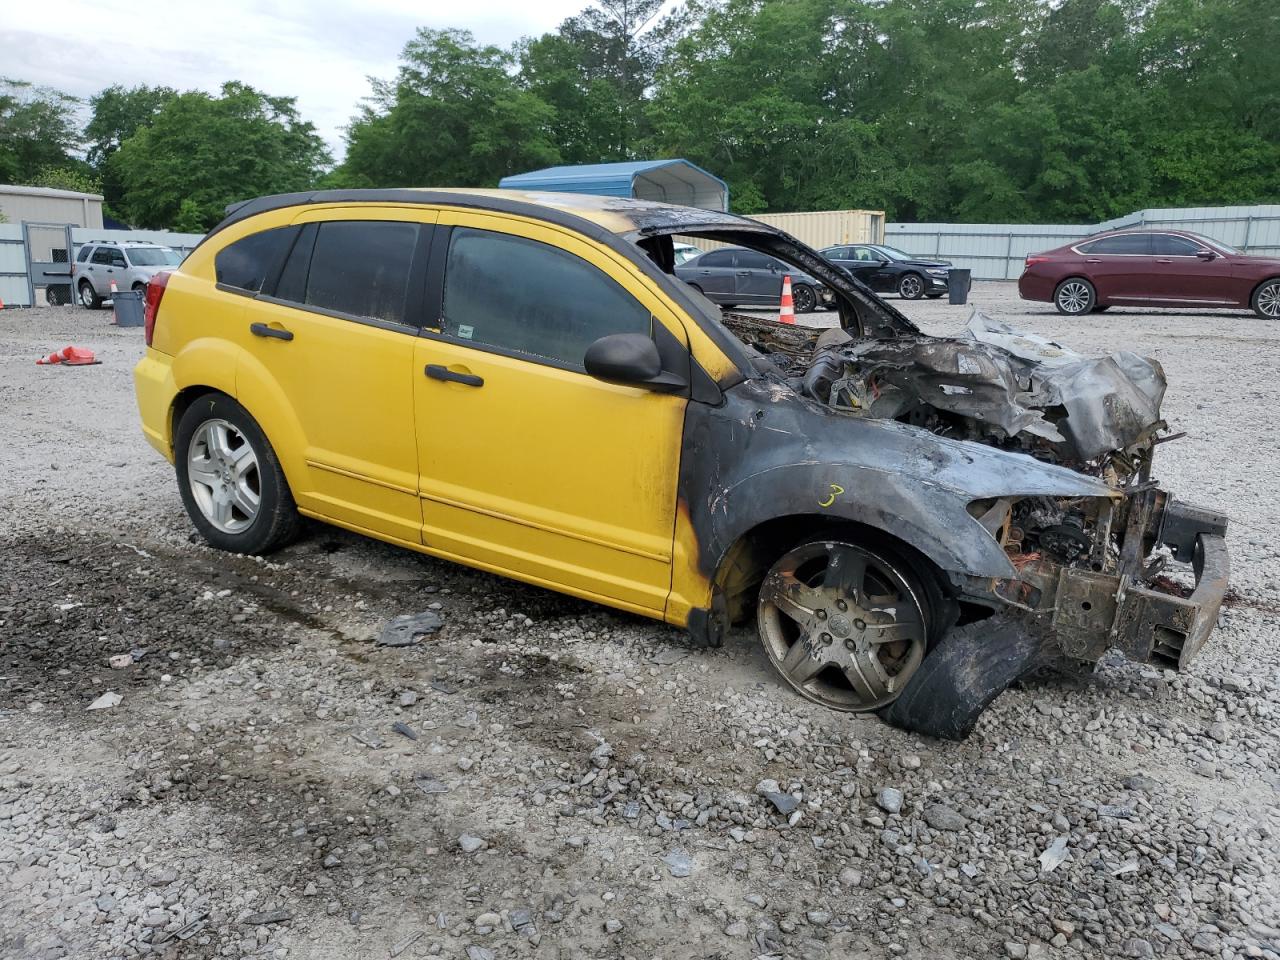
x=70, y=356
x=787, y=309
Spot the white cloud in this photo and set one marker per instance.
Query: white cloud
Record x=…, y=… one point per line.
x=320, y=52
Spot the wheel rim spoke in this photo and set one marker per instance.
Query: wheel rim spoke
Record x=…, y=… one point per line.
x=244, y=498
x=202, y=475
x=846, y=573
x=800, y=664
x=791, y=596
x=894, y=631
x=867, y=675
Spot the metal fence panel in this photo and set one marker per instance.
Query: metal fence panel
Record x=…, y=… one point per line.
x=996, y=251
x=819, y=228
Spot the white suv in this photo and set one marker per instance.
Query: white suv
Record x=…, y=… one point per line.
x=131, y=264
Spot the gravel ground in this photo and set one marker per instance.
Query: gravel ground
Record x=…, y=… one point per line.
x=548, y=778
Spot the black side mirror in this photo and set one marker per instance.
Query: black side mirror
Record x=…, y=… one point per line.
x=631, y=359
x=1206, y=255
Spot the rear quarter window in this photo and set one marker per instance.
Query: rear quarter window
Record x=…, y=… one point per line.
x=250, y=262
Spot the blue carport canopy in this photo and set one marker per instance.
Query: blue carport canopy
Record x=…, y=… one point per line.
x=667, y=181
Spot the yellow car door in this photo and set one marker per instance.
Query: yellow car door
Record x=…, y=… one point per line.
x=529, y=466
x=334, y=342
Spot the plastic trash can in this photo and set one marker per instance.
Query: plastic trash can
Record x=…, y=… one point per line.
x=128, y=308
x=958, y=282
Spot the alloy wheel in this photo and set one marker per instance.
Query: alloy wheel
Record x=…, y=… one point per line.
x=844, y=626
x=1268, y=300
x=86, y=295
x=1074, y=297
x=911, y=286
x=804, y=299
x=223, y=474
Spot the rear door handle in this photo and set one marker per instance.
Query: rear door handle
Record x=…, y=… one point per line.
x=437, y=371
x=1093, y=260
x=262, y=330
x=1163, y=260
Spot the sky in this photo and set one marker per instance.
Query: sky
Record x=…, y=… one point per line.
x=320, y=51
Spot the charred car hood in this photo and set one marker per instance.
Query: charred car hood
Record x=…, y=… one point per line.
x=1001, y=387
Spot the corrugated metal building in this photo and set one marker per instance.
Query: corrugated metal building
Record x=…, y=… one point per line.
x=666, y=181
x=46, y=205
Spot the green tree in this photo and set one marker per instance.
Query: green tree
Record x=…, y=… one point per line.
x=595, y=71
x=206, y=152
x=117, y=113
x=79, y=177
x=37, y=130
x=454, y=115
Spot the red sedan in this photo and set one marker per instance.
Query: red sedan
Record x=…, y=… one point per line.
x=1152, y=268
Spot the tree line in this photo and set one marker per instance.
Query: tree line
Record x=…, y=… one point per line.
x=999, y=110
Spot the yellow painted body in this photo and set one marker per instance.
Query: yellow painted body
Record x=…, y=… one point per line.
x=545, y=475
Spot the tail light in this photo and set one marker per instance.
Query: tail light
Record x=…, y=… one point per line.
x=155, y=293
x=1036, y=258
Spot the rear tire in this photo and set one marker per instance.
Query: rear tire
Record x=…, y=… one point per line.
x=1101, y=308
x=934, y=296
x=803, y=298
x=960, y=678
x=1266, y=299
x=89, y=298
x=1075, y=296
x=230, y=479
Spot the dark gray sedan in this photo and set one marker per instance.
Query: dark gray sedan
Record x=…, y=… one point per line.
x=735, y=275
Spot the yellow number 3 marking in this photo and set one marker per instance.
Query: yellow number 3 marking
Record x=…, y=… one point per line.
x=836, y=490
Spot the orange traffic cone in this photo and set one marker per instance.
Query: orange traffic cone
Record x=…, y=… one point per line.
x=71, y=356
x=114, y=291
x=786, y=311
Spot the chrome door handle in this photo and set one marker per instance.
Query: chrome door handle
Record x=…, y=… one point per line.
x=1093, y=260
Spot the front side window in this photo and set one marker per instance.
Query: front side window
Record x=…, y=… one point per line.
x=752, y=260
x=362, y=268
x=250, y=261
x=529, y=298
x=866, y=254
x=1167, y=245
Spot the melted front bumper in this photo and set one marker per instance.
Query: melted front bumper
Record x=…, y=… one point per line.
x=1150, y=620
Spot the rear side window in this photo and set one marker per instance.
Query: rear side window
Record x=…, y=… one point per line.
x=529, y=298
x=251, y=261
x=83, y=255
x=717, y=258
x=102, y=255
x=362, y=268
x=1122, y=243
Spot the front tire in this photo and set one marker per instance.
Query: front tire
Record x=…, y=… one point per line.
x=969, y=668
x=934, y=296
x=230, y=479
x=911, y=286
x=803, y=298
x=1101, y=308
x=845, y=625
x=89, y=298
x=1266, y=300
x=1075, y=296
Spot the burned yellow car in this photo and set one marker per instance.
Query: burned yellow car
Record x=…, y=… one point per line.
x=518, y=382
